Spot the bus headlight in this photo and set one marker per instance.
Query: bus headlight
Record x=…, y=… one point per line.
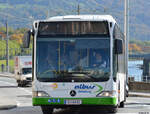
x=106, y=94
x=40, y=94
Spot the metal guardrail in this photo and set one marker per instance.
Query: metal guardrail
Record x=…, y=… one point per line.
x=146, y=79
x=135, y=78
x=139, y=78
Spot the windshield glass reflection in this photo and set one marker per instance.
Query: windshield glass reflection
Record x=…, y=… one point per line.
x=79, y=59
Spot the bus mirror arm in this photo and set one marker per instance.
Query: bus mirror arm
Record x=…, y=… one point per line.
x=26, y=38
x=118, y=46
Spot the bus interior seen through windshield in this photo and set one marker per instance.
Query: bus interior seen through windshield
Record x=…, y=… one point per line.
x=80, y=59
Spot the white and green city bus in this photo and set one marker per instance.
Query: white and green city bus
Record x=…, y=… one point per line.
x=78, y=60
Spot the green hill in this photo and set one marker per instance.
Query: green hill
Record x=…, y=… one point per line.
x=21, y=13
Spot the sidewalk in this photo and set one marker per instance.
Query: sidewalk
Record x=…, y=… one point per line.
x=5, y=74
x=139, y=94
x=7, y=103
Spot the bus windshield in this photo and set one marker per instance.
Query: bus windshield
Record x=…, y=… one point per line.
x=73, y=59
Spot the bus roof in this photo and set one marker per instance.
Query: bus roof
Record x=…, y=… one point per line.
x=108, y=18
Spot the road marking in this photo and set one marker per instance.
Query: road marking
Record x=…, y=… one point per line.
x=8, y=83
x=21, y=101
x=136, y=105
x=25, y=90
x=15, y=85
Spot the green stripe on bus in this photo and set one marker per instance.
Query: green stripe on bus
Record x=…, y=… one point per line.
x=85, y=101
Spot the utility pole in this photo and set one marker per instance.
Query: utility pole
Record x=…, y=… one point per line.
x=7, y=47
x=48, y=12
x=126, y=30
x=78, y=9
x=7, y=43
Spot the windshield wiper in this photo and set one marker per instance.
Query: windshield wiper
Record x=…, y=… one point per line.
x=78, y=72
x=67, y=75
x=83, y=74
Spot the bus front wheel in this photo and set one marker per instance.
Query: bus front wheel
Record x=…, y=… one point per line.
x=47, y=109
x=121, y=104
x=113, y=110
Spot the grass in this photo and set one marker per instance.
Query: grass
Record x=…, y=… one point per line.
x=5, y=5
x=12, y=45
x=14, y=50
x=11, y=64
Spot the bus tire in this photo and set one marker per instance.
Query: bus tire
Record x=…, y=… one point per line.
x=113, y=110
x=47, y=109
x=127, y=93
x=121, y=104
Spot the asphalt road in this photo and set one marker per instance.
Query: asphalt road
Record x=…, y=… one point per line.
x=22, y=97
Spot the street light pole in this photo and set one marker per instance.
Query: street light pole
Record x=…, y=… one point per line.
x=126, y=30
x=7, y=48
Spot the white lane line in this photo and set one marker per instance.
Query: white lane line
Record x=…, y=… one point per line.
x=24, y=102
x=25, y=90
x=8, y=83
x=19, y=102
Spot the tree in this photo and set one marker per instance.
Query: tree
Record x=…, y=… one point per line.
x=18, y=37
x=134, y=48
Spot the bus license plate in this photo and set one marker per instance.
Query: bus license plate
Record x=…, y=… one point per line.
x=73, y=102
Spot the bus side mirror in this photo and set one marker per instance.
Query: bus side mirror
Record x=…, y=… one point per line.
x=118, y=46
x=26, y=39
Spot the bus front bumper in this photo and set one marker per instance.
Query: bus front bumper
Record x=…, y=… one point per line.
x=38, y=101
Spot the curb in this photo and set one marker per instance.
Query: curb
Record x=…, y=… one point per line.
x=7, y=76
x=7, y=107
x=137, y=95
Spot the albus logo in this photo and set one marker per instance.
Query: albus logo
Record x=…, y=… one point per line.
x=83, y=86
